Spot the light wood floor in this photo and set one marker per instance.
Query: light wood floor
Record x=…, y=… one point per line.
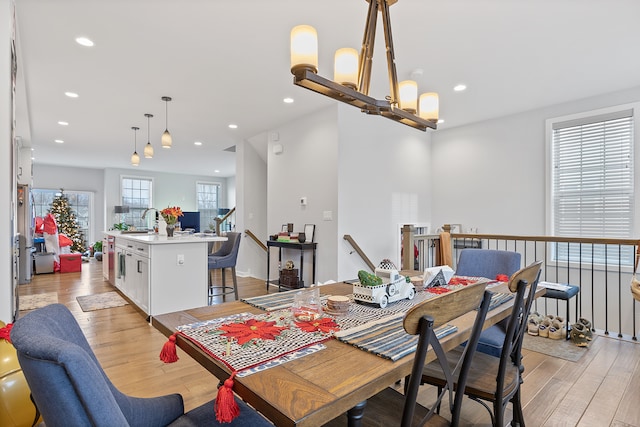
x=601, y=389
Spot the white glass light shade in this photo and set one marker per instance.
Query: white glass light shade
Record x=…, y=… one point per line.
x=345, y=69
x=148, y=151
x=166, y=139
x=429, y=106
x=304, y=48
x=135, y=159
x=408, y=93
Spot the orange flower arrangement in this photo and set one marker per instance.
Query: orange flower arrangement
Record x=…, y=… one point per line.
x=171, y=214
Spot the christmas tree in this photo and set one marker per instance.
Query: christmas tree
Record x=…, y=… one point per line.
x=67, y=221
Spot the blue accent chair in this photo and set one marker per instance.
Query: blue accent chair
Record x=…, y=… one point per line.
x=70, y=388
x=489, y=263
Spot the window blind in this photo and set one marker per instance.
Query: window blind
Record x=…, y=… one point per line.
x=593, y=179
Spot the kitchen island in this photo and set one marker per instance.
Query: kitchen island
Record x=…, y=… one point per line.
x=161, y=274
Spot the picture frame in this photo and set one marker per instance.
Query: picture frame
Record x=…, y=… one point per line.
x=285, y=228
x=309, y=232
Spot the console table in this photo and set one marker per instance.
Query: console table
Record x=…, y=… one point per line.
x=302, y=247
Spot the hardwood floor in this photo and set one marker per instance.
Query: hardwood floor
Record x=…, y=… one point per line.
x=601, y=389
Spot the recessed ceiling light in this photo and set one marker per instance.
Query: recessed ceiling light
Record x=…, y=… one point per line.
x=288, y=100
x=84, y=41
x=460, y=87
x=197, y=143
x=233, y=126
x=61, y=123
x=216, y=171
x=59, y=141
x=71, y=94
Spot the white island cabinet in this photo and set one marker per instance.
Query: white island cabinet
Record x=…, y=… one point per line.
x=161, y=274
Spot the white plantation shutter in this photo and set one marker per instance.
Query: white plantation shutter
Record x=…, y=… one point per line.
x=592, y=178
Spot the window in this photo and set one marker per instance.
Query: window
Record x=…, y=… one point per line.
x=136, y=193
x=207, y=199
x=81, y=202
x=592, y=181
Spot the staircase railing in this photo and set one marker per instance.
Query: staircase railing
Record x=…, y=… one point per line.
x=601, y=267
x=253, y=237
x=224, y=223
x=359, y=251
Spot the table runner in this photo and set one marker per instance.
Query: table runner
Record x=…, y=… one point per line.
x=248, y=343
x=244, y=340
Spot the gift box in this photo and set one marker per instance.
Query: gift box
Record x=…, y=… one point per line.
x=70, y=263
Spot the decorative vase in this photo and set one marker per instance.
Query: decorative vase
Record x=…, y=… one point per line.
x=302, y=237
x=162, y=227
x=170, y=229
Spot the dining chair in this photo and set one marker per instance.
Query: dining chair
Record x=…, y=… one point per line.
x=224, y=258
x=489, y=263
x=70, y=388
x=497, y=379
x=389, y=405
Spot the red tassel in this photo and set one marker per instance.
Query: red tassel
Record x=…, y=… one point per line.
x=5, y=332
x=226, y=406
x=169, y=354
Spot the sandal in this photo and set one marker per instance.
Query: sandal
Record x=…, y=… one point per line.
x=578, y=335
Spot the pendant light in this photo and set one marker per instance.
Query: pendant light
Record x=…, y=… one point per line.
x=148, y=149
x=166, y=136
x=135, y=158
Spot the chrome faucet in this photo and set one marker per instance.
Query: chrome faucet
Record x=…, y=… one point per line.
x=144, y=214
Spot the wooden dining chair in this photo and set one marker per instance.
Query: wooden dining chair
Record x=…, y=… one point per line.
x=389, y=406
x=497, y=379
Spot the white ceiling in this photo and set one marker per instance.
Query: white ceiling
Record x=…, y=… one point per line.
x=227, y=61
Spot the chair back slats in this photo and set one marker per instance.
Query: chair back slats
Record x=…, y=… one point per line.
x=524, y=283
x=420, y=320
x=445, y=307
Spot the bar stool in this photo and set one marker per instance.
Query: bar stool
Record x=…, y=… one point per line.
x=224, y=258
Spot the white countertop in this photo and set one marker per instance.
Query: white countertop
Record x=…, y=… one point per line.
x=154, y=239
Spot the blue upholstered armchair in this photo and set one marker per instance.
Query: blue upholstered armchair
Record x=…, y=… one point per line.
x=70, y=388
x=489, y=263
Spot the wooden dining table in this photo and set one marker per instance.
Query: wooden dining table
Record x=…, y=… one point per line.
x=316, y=388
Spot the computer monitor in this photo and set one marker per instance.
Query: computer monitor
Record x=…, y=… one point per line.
x=190, y=220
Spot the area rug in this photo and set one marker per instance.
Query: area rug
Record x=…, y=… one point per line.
x=564, y=349
x=31, y=302
x=100, y=301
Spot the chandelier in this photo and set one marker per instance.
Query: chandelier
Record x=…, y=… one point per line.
x=352, y=74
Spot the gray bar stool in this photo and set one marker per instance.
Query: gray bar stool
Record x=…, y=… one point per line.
x=224, y=258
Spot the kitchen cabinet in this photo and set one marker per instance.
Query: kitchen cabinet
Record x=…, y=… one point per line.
x=161, y=274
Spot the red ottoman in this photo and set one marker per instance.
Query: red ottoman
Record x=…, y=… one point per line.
x=70, y=263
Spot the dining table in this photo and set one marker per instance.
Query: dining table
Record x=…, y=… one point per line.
x=322, y=385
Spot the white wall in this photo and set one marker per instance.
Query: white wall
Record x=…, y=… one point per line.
x=6, y=190
x=251, y=204
x=307, y=167
x=491, y=175
x=51, y=177
x=384, y=179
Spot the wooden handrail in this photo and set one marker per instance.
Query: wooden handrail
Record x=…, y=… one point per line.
x=360, y=252
x=219, y=220
x=255, y=239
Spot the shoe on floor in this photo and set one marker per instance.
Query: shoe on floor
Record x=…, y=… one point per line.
x=587, y=328
x=557, y=331
x=578, y=335
x=543, y=328
x=533, y=327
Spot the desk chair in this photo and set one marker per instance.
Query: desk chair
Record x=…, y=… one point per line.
x=388, y=406
x=489, y=263
x=224, y=258
x=497, y=379
x=70, y=388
